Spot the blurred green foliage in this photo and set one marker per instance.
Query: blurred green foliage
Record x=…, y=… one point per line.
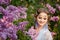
x=32, y=6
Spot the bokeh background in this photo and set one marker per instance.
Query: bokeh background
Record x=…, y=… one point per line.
x=17, y=16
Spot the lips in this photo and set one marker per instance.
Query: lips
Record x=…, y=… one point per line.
x=41, y=22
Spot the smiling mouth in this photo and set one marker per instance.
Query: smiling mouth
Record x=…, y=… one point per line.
x=41, y=22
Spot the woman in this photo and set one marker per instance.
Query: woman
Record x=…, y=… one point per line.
x=40, y=30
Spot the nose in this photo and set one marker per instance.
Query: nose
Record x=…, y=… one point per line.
x=41, y=20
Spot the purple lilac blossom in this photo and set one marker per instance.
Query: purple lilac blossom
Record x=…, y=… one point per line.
x=1, y=9
x=51, y=9
x=18, y=12
x=22, y=11
x=5, y=2
x=13, y=12
x=54, y=18
x=22, y=25
x=32, y=33
x=7, y=28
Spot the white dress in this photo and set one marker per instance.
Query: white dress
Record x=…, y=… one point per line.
x=44, y=34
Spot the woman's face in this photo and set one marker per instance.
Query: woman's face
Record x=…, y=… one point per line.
x=42, y=18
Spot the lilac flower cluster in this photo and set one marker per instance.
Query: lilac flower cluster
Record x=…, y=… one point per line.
x=53, y=33
x=22, y=11
x=5, y=2
x=54, y=18
x=32, y=33
x=13, y=12
x=51, y=9
x=58, y=6
x=22, y=25
x=7, y=28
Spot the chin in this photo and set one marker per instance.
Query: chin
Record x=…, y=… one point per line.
x=41, y=24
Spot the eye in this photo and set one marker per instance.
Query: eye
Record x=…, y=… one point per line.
x=40, y=17
x=44, y=18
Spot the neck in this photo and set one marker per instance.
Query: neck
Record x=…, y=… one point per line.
x=39, y=28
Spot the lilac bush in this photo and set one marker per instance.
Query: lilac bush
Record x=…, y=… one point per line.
x=7, y=28
x=13, y=12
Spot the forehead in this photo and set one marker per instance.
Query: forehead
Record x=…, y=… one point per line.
x=43, y=14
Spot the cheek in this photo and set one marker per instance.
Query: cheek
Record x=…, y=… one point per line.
x=38, y=20
x=45, y=21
